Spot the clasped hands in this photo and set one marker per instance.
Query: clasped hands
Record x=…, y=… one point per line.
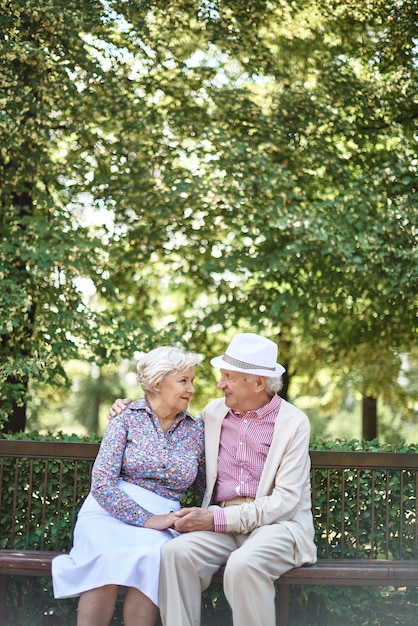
x=184, y=521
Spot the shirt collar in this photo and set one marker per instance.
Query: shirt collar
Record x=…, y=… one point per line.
x=268, y=409
x=143, y=403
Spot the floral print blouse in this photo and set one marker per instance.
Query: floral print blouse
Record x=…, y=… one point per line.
x=136, y=449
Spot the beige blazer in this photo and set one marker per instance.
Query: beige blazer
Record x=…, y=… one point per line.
x=284, y=491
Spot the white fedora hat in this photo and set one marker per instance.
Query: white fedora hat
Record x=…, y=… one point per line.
x=251, y=354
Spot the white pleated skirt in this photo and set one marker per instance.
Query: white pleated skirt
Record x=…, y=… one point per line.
x=107, y=551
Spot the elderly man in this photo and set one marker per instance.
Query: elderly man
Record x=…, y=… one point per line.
x=256, y=513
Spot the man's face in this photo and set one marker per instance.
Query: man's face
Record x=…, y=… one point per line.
x=239, y=389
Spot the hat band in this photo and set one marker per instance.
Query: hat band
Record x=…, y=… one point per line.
x=244, y=365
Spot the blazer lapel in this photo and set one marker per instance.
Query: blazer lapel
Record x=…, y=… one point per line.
x=213, y=425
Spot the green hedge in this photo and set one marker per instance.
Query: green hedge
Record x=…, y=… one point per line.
x=55, y=531
x=384, y=495
x=394, y=501
x=29, y=600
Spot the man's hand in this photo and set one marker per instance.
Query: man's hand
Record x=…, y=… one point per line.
x=194, y=518
x=118, y=406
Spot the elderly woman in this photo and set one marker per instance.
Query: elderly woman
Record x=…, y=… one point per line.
x=150, y=454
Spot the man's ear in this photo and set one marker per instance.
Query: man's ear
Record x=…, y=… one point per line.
x=260, y=383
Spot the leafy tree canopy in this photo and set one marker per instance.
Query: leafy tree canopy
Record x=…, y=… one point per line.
x=256, y=159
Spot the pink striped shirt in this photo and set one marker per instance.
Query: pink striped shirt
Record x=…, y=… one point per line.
x=244, y=444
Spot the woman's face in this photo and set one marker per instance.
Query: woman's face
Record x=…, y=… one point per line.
x=176, y=389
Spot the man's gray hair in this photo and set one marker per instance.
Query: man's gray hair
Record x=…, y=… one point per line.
x=273, y=385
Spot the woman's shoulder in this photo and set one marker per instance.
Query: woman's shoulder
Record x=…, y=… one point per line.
x=141, y=403
x=135, y=406
x=195, y=422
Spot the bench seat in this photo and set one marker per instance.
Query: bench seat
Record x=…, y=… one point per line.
x=350, y=572
x=26, y=562
x=325, y=572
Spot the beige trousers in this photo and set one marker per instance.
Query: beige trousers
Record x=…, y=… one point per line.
x=253, y=563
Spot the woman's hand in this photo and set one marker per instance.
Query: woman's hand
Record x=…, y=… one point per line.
x=118, y=406
x=161, y=522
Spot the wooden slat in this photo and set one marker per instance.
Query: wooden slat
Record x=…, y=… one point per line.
x=332, y=459
x=354, y=572
x=77, y=450
x=325, y=571
x=26, y=562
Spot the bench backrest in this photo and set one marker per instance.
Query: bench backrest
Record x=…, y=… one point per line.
x=364, y=503
x=42, y=486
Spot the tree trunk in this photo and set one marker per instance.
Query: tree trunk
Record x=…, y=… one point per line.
x=284, y=392
x=369, y=416
x=16, y=421
x=284, y=357
x=97, y=401
x=17, y=346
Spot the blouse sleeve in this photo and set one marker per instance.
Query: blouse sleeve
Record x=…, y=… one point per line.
x=106, y=474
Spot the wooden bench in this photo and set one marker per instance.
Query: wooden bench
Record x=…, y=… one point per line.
x=42, y=486
x=364, y=506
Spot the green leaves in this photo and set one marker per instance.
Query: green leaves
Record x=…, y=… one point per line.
x=244, y=164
